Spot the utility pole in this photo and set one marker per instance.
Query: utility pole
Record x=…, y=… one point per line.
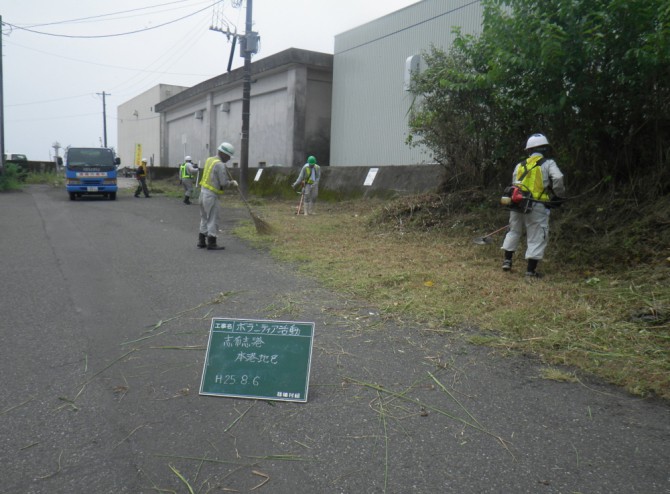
x=104, y=117
x=2, y=111
x=247, y=47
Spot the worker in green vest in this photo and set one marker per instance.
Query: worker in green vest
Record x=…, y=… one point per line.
x=309, y=177
x=187, y=172
x=214, y=179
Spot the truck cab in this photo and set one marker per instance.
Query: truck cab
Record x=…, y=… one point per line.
x=16, y=158
x=91, y=171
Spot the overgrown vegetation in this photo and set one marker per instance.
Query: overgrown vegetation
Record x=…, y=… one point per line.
x=49, y=178
x=591, y=75
x=10, y=178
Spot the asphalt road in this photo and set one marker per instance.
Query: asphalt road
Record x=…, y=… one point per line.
x=106, y=310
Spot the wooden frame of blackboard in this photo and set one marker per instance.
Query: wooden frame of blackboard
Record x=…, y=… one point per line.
x=258, y=359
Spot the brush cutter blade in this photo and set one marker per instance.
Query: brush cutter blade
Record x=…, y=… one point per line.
x=483, y=240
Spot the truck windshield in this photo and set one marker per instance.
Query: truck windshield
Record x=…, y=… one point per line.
x=85, y=158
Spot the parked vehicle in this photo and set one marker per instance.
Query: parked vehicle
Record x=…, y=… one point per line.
x=91, y=171
x=16, y=158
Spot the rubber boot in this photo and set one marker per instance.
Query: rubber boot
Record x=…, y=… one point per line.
x=531, y=269
x=211, y=244
x=202, y=241
x=507, y=262
x=187, y=200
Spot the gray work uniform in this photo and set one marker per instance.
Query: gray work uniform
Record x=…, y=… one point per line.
x=536, y=222
x=311, y=176
x=209, y=199
x=187, y=182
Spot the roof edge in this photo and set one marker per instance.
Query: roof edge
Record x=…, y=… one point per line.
x=286, y=57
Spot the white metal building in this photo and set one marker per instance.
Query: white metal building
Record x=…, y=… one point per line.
x=139, y=124
x=370, y=103
x=290, y=114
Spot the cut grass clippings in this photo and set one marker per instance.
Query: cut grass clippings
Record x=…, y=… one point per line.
x=574, y=316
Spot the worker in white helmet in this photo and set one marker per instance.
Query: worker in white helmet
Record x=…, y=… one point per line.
x=539, y=186
x=214, y=179
x=187, y=173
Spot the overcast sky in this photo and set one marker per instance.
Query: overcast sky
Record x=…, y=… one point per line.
x=59, y=56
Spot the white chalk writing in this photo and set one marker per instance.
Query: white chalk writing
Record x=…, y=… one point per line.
x=256, y=358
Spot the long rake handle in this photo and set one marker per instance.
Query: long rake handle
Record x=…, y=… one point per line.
x=230, y=177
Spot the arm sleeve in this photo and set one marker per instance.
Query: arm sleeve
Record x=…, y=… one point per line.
x=556, y=181
x=223, y=175
x=300, y=177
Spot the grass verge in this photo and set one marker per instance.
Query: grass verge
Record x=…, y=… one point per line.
x=612, y=323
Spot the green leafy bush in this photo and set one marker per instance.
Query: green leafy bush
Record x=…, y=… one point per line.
x=10, y=178
x=591, y=75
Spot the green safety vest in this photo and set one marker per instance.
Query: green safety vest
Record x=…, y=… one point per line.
x=207, y=173
x=183, y=171
x=530, y=175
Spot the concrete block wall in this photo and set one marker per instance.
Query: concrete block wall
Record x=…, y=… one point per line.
x=337, y=182
x=348, y=182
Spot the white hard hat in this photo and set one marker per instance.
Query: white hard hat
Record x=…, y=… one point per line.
x=536, y=140
x=144, y=160
x=227, y=148
x=188, y=158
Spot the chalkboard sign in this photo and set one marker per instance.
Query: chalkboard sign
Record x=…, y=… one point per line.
x=263, y=360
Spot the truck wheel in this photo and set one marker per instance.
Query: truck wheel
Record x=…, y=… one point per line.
x=72, y=196
x=112, y=196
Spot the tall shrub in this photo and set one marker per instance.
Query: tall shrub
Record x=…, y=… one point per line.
x=593, y=75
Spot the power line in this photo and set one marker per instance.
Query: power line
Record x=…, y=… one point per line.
x=48, y=100
x=134, y=69
x=116, y=34
x=59, y=117
x=105, y=15
x=169, y=57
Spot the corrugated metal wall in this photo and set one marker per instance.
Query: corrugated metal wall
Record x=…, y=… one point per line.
x=370, y=105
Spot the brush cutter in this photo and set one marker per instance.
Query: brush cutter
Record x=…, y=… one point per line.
x=486, y=239
x=302, y=198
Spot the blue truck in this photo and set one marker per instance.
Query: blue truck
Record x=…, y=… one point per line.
x=91, y=171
